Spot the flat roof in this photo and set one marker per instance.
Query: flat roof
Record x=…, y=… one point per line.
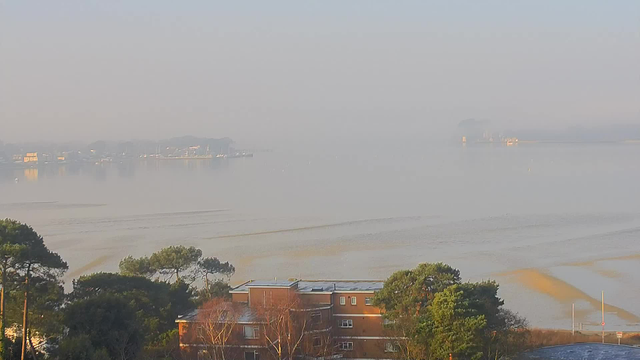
x=245, y=314
x=271, y=283
x=309, y=286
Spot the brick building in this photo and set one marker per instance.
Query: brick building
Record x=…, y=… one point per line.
x=333, y=319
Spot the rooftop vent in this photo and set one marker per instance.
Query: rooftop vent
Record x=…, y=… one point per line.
x=317, y=288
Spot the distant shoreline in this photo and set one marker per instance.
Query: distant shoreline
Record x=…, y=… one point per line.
x=18, y=166
x=531, y=142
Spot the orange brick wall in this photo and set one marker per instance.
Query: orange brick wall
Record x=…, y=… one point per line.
x=369, y=348
x=359, y=308
x=362, y=326
x=311, y=298
x=188, y=333
x=240, y=297
x=258, y=296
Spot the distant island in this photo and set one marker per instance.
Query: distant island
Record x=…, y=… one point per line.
x=481, y=131
x=185, y=147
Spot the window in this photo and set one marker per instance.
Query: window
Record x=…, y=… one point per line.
x=251, y=332
x=316, y=318
x=346, y=323
x=251, y=355
x=343, y=300
x=368, y=301
x=347, y=346
x=391, y=347
x=353, y=300
x=317, y=341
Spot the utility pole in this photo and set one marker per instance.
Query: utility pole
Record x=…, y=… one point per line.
x=603, y=317
x=25, y=319
x=573, y=319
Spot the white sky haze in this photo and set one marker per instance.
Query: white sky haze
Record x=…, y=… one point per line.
x=262, y=71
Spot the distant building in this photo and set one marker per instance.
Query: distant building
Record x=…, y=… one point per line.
x=510, y=141
x=339, y=320
x=31, y=158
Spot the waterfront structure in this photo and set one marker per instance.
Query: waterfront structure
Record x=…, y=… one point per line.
x=327, y=319
x=31, y=157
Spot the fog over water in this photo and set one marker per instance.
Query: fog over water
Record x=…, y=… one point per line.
x=554, y=224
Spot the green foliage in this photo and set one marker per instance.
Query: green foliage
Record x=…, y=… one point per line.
x=26, y=254
x=181, y=295
x=167, y=346
x=483, y=298
x=14, y=348
x=438, y=315
x=28, y=266
x=213, y=266
x=409, y=292
x=217, y=289
x=511, y=339
x=46, y=301
x=34, y=255
x=101, y=354
x=80, y=348
x=455, y=327
x=157, y=303
x=109, y=322
x=106, y=316
x=173, y=260
x=10, y=250
x=99, y=283
x=136, y=267
x=76, y=348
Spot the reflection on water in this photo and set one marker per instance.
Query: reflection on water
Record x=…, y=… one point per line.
x=101, y=171
x=31, y=174
x=364, y=213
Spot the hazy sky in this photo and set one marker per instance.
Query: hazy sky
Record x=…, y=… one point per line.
x=262, y=71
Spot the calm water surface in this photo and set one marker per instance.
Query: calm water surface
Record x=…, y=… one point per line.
x=554, y=224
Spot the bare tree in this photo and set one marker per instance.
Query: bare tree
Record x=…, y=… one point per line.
x=400, y=333
x=510, y=339
x=218, y=328
x=318, y=345
x=284, y=326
